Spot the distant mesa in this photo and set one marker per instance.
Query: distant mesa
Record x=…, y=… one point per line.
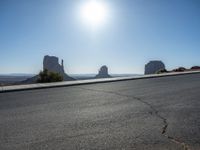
x=103, y=73
x=154, y=66
x=51, y=63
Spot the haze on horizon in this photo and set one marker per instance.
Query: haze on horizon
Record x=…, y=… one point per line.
x=125, y=35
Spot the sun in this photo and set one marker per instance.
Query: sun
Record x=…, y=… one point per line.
x=94, y=13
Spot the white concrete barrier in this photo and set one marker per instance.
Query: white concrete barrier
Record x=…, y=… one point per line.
x=81, y=82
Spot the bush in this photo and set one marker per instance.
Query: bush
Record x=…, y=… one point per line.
x=46, y=77
x=162, y=71
x=180, y=69
x=195, y=68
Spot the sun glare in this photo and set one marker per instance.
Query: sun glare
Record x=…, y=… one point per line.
x=94, y=13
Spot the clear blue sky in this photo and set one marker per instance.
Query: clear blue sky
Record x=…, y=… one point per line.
x=136, y=31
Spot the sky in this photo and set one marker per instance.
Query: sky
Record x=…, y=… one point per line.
x=133, y=33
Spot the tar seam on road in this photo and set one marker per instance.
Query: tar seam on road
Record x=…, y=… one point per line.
x=156, y=112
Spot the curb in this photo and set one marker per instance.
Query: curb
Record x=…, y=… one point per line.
x=14, y=88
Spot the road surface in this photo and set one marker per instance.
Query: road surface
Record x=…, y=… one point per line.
x=145, y=114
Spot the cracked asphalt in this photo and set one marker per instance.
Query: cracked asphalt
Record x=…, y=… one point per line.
x=146, y=114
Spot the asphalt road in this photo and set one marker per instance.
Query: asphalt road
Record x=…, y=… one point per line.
x=146, y=114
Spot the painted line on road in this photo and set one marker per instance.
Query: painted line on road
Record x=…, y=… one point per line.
x=84, y=82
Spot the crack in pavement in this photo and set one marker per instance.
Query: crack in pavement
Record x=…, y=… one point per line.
x=156, y=112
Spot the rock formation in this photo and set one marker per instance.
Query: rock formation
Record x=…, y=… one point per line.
x=103, y=73
x=51, y=63
x=154, y=66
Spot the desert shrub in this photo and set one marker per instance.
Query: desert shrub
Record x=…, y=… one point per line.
x=162, y=71
x=195, y=67
x=46, y=77
x=180, y=69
